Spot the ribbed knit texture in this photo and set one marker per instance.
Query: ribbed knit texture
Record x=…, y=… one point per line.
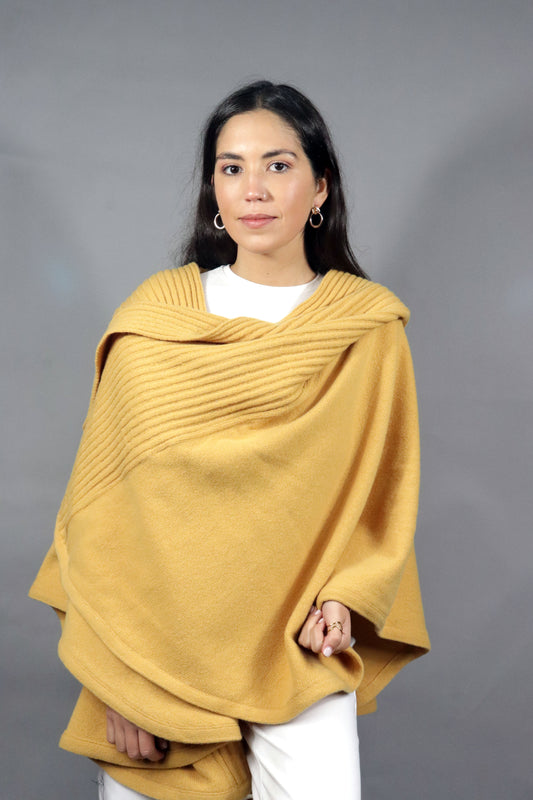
x=231, y=472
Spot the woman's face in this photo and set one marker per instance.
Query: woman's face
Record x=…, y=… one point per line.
x=264, y=184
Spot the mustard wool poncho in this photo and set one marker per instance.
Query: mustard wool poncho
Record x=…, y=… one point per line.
x=230, y=474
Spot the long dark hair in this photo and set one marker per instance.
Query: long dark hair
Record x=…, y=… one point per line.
x=326, y=247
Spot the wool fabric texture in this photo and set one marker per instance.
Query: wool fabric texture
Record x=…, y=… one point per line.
x=230, y=474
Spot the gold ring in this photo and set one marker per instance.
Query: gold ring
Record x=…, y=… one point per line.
x=337, y=625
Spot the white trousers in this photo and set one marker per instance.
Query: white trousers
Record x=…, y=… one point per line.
x=313, y=756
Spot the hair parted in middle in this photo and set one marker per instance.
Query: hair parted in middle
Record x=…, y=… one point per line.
x=326, y=247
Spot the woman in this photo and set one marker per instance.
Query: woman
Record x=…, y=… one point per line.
x=234, y=556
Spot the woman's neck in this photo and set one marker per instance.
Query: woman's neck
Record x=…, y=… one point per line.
x=270, y=271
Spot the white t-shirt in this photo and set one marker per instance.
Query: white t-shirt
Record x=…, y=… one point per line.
x=229, y=295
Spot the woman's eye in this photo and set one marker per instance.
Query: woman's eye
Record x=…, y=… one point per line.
x=231, y=169
x=279, y=166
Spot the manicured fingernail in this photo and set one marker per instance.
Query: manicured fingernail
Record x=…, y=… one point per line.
x=321, y=620
x=317, y=611
x=328, y=651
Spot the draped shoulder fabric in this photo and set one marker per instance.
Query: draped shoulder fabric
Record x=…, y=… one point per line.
x=230, y=474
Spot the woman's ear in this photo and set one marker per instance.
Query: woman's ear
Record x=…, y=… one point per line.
x=322, y=186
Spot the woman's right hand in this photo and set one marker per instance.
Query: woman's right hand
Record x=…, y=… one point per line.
x=134, y=741
x=315, y=634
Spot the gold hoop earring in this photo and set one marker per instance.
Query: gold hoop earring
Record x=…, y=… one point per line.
x=220, y=227
x=316, y=212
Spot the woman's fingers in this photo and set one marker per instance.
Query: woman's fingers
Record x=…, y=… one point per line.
x=315, y=635
x=133, y=749
x=147, y=746
x=110, y=727
x=337, y=638
x=332, y=642
x=136, y=742
x=311, y=634
x=115, y=730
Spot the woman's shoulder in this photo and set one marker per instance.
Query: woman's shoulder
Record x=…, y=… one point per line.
x=176, y=286
x=367, y=296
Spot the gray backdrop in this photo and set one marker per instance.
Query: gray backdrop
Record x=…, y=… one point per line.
x=430, y=106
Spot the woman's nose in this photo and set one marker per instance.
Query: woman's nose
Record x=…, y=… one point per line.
x=256, y=189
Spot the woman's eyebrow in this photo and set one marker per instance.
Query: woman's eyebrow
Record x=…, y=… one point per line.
x=231, y=156
x=282, y=152
x=270, y=154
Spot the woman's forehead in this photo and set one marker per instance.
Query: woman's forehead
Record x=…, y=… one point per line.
x=256, y=129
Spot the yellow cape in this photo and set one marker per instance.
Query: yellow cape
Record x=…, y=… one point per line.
x=230, y=474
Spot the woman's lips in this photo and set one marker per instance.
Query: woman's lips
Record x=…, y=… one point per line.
x=256, y=220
